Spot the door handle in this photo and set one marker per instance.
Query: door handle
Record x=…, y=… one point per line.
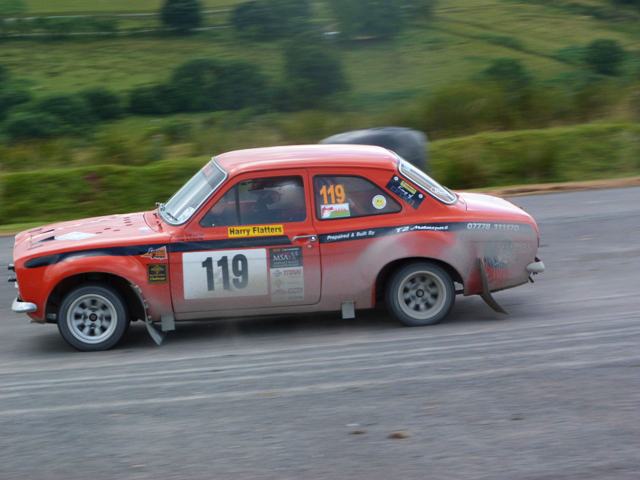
x=312, y=238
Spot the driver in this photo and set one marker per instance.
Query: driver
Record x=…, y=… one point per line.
x=285, y=201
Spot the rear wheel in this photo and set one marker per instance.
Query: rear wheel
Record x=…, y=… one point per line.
x=93, y=317
x=420, y=294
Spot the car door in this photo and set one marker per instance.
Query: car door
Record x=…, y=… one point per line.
x=354, y=217
x=252, y=247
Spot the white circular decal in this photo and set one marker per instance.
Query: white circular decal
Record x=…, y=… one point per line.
x=379, y=202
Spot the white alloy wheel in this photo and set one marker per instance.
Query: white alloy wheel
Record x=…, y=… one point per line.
x=420, y=294
x=92, y=317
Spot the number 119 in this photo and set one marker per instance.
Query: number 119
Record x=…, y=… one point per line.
x=334, y=192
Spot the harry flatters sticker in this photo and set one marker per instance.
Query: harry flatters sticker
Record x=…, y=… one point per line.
x=157, y=273
x=335, y=210
x=256, y=231
x=379, y=202
x=405, y=191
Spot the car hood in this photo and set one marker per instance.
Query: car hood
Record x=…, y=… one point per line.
x=478, y=202
x=87, y=234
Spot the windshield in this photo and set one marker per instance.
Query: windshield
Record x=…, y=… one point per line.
x=425, y=182
x=193, y=194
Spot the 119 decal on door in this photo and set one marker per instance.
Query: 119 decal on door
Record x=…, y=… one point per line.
x=225, y=273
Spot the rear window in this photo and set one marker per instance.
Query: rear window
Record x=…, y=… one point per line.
x=350, y=196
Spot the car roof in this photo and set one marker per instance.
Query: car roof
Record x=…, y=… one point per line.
x=303, y=156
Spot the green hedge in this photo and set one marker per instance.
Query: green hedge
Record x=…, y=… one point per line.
x=48, y=195
x=586, y=152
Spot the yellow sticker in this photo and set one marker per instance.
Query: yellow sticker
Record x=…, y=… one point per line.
x=379, y=202
x=256, y=231
x=408, y=187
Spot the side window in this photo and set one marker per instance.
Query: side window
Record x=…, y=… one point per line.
x=343, y=197
x=259, y=201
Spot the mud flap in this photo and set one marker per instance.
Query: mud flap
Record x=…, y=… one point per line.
x=486, y=293
x=156, y=334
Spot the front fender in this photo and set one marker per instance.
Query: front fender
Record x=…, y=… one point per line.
x=151, y=276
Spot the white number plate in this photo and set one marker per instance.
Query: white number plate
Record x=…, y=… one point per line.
x=226, y=273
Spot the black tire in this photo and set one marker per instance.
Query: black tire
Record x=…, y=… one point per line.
x=420, y=294
x=93, y=317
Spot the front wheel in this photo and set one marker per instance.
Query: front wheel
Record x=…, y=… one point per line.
x=420, y=294
x=92, y=318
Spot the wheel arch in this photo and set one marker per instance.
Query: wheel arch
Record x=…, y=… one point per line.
x=120, y=284
x=385, y=274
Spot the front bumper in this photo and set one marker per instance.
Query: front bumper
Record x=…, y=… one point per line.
x=19, y=306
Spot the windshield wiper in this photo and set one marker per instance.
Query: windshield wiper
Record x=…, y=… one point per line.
x=162, y=208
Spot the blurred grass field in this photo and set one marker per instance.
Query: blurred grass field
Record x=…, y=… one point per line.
x=463, y=39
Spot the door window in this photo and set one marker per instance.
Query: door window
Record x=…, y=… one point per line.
x=259, y=201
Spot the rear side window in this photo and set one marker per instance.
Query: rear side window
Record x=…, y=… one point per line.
x=348, y=197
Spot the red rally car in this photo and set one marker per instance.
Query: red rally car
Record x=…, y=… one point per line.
x=276, y=230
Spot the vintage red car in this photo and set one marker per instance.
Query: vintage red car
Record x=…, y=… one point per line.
x=277, y=230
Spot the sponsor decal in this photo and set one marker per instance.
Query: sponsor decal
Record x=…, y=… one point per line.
x=285, y=257
x=405, y=191
x=190, y=237
x=157, y=273
x=286, y=274
x=408, y=187
x=156, y=253
x=335, y=210
x=379, y=202
x=503, y=227
x=256, y=231
x=75, y=236
x=384, y=231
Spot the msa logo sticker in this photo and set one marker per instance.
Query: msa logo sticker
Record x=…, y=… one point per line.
x=225, y=273
x=286, y=274
x=156, y=253
x=256, y=231
x=336, y=210
x=157, y=273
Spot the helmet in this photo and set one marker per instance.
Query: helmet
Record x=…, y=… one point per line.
x=284, y=197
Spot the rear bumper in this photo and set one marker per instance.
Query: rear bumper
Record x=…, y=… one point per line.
x=19, y=306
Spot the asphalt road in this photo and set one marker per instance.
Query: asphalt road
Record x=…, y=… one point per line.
x=550, y=392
